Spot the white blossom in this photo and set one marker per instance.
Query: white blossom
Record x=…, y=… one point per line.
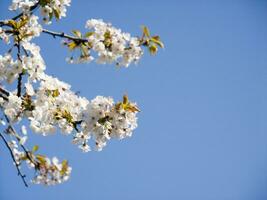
x=51, y=172
x=9, y=69
x=57, y=7
x=24, y=130
x=31, y=29
x=23, y=140
x=12, y=107
x=22, y=5
x=4, y=36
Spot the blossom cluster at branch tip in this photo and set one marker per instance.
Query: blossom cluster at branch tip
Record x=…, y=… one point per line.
x=109, y=44
x=47, y=171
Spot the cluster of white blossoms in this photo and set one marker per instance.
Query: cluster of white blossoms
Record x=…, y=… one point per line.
x=56, y=105
x=31, y=29
x=51, y=172
x=49, y=8
x=105, y=120
x=28, y=28
x=113, y=45
x=54, y=7
x=9, y=69
x=22, y=5
x=31, y=64
x=47, y=171
x=110, y=44
x=12, y=107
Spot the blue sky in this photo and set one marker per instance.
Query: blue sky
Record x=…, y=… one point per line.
x=202, y=131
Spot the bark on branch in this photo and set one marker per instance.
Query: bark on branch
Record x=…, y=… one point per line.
x=63, y=35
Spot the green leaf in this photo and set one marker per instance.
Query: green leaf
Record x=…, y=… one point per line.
x=66, y=114
x=126, y=105
x=55, y=93
x=77, y=33
x=12, y=23
x=72, y=45
x=41, y=159
x=146, y=31
x=43, y=3
x=50, y=16
x=64, y=167
x=156, y=40
x=125, y=99
x=22, y=22
x=56, y=13
x=84, y=50
x=153, y=49
x=27, y=35
x=35, y=148
x=88, y=34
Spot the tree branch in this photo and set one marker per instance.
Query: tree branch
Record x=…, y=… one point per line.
x=13, y=158
x=4, y=92
x=63, y=35
x=20, y=74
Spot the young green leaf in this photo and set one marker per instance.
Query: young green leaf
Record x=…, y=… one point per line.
x=146, y=31
x=156, y=40
x=88, y=34
x=72, y=45
x=35, y=148
x=77, y=33
x=56, y=13
x=153, y=49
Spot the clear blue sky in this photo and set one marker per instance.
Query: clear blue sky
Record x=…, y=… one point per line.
x=202, y=131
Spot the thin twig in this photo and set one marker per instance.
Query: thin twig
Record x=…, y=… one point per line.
x=13, y=158
x=63, y=35
x=4, y=97
x=5, y=92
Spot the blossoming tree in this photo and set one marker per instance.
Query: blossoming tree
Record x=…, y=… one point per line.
x=29, y=95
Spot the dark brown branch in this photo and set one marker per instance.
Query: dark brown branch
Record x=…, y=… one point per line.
x=2, y=23
x=14, y=160
x=20, y=74
x=63, y=35
x=4, y=92
x=2, y=96
x=19, y=84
